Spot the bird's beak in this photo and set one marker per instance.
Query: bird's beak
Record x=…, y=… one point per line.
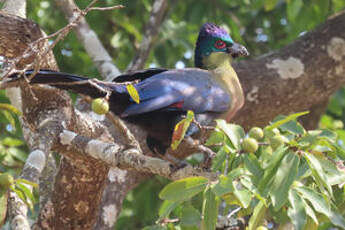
x=237, y=50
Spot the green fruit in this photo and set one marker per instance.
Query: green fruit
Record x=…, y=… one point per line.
x=256, y=133
x=269, y=133
x=277, y=141
x=249, y=145
x=276, y=131
x=100, y=106
x=6, y=180
x=261, y=228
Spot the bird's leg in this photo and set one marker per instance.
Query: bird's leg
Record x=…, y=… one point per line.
x=158, y=148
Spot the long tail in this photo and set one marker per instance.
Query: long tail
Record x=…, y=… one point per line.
x=66, y=81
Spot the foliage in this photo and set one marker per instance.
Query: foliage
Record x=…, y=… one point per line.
x=301, y=180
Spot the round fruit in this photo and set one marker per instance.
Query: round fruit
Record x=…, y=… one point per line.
x=100, y=106
x=6, y=180
x=256, y=133
x=261, y=228
x=276, y=131
x=277, y=141
x=249, y=145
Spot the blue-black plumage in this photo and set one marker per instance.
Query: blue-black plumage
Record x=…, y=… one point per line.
x=211, y=90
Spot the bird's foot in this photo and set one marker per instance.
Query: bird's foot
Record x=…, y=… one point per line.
x=208, y=157
x=177, y=163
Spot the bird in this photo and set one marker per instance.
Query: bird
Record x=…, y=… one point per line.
x=211, y=89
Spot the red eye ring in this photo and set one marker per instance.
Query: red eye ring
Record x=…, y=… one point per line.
x=219, y=44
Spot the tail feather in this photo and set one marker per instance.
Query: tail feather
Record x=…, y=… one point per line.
x=67, y=81
x=119, y=98
x=51, y=77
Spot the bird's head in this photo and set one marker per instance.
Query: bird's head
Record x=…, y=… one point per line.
x=214, y=45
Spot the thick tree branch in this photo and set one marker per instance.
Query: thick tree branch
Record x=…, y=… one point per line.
x=117, y=156
x=15, y=7
x=17, y=208
x=38, y=111
x=295, y=78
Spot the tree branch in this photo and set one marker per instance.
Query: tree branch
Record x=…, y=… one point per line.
x=90, y=41
x=159, y=9
x=15, y=7
x=116, y=155
x=295, y=78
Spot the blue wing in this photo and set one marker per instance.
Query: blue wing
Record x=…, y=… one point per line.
x=190, y=89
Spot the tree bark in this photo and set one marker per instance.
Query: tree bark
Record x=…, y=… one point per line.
x=295, y=78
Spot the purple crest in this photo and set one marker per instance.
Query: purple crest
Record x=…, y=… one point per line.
x=213, y=30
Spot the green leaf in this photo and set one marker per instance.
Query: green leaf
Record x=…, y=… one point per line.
x=12, y=142
x=258, y=216
x=166, y=208
x=310, y=212
x=9, y=118
x=283, y=179
x=253, y=165
x=321, y=206
x=209, y=210
x=216, y=137
x=243, y=195
x=181, y=129
x=19, y=193
x=17, y=153
x=293, y=9
x=297, y=212
x=328, y=134
x=247, y=182
x=29, y=197
x=225, y=182
x=285, y=120
x=23, y=181
x=269, y=173
x=220, y=158
x=318, y=172
x=133, y=93
x=333, y=175
x=270, y=4
x=10, y=108
x=293, y=127
x=190, y=216
x=155, y=227
x=234, y=132
x=3, y=205
x=183, y=189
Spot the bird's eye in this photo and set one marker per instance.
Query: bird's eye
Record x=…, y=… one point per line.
x=220, y=44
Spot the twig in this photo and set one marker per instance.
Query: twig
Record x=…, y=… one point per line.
x=107, y=8
x=60, y=34
x=89, y=39
x=151, y=31
x=202, y=127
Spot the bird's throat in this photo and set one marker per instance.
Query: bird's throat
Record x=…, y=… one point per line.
x=226, y=76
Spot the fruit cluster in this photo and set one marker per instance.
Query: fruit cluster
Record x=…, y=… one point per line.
x=257, y=136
